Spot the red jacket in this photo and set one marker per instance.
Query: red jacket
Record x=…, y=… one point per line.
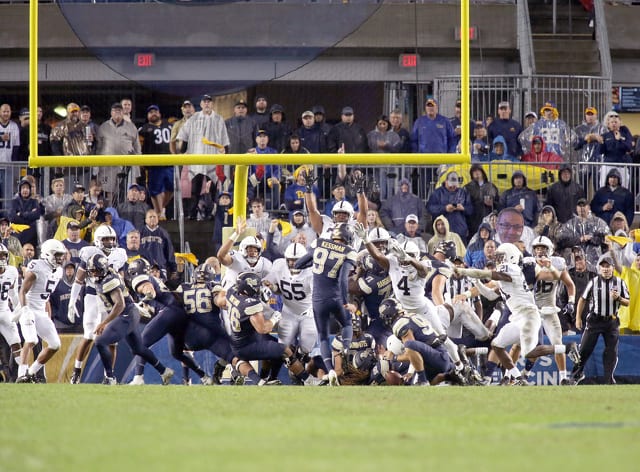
x=543, y=156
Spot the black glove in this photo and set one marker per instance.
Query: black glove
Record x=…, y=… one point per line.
x=309, y=180
x=568, y=309
x=360, y=183
x=439, y=341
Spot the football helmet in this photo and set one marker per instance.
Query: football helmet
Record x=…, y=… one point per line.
x=250, y=241
x=4, y=256
x=356, y=323
x=53, y=253
x=508, y=253
x=105, y=238
x=380, y=239
x=204, y=273
x=342, y=207
x=389, y=310
x=343, y=232
x=371, y=265
x=543, y=241
x=448, y=248
x=292, y=253
x=138, y=266
x=248, y=284
x=98, y=267
x=395, y=345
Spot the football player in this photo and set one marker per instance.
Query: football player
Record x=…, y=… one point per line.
x=121, y=321
x=333, y=259
x=524, y=322
x=104, y=242
x=40, y=279
x=204, y=328
x=248, y=327
x=354, y=363
x=423, y=347
x=8, y=293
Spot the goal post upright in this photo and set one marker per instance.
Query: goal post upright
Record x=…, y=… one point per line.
x=242, y=161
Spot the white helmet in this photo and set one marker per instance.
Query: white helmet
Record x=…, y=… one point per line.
x=292, y=253
x=508, y=253
x=53, y=253
x=342, y=207
x=4, y=256
x=411, y=249
x=544, y=241
x=380, y=238
x=105, y=238
x=250, y=241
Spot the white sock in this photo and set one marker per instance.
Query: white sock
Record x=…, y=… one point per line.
x=514, y=373
x=559, y=349
x=35, y=367
x=77, y=364
x=22, y=369
x=562, y=374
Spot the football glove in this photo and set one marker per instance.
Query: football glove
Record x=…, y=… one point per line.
x=72, y=313
x=568, y=309
x=275, y=318
x=309, y=180
x=361, y=232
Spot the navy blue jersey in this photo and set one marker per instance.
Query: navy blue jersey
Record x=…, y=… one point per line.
x=332, y=262
x=422, y=330
x=360, y=344
x=164, y=298
x=198, y=304
x=241, y=308
x=437, y=268
x=74, y=249
x=107, y=286
x=374, y=287
x=59, y=301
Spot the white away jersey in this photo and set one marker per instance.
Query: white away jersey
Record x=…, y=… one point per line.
x=515, y=293
x=46, y=282
x=295, y=289
x=408, y=287
x=8, y=282
x=240, y=264
x=545, y=290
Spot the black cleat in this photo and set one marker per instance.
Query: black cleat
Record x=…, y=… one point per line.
x=26, y=379
x=75, y=378
x=218, y=371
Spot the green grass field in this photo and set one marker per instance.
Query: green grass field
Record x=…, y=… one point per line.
x=95, y=428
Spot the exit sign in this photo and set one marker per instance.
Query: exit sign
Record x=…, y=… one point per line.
x=144, y=59
x=409, y=60
x=473, y=33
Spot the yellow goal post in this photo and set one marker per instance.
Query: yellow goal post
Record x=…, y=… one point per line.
x=242, y=161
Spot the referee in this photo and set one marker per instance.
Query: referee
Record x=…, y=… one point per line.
x=603, y=296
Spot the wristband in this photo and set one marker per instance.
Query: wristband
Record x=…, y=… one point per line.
x=572, y=299
x=234, y=236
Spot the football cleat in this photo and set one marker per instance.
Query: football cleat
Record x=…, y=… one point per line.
x=239, y=380
x=333, y=378
x=166, y=376
x=572, y=352
x=206, y=380
x=578, y=378
x=312, y=381
x=109, y=381
x=26, y=379
x=506, y=381
x=75, y=378
x=218, y=371
x=269, y=383
x=137, y=380
x=520, y=382
x=568, y=381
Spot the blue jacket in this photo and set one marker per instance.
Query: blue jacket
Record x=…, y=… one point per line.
x=433, y=136
x=438, y=201
x=509, y=130
x=511, y=198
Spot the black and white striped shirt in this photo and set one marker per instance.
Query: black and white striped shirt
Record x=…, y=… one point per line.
x=598, y=295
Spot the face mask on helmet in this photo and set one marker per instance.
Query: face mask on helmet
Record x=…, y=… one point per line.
x=342, y=232
x=508, y=253
x=97, y=267
x=248, y=284
x=292, y=253
x=356, y=324
x=342, y=212
x=105, y=238
x=250, y=248
x=389, y=310
x=53, y=252
x=204, y=273
x=543, y=246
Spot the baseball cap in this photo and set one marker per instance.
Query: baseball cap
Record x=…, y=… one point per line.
x=276, y=109
x=79, y=188
x=135, y=186
x=431, y=102
x=452, y=177
x=318, y=109
x=261, y=131
x=205, y=98
x=307, y=113
x=548, y=105
x=85, y=108
x=187, y=103
x=591, y=110
x=23, y=112
x=116, y=106
x=503, y=105
x=73, y=224
x=225, y=192
x=347, y=111
x=582, y=201
x=531, y=113
x=536, y=139
x=411, y=217
x=604, y=259
x=337, y=185
x=241, y=103
x=5, y=219
x=153, y=107
x=72, y=107
x=298, y=212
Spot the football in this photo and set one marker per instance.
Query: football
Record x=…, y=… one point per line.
x=393, y=378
